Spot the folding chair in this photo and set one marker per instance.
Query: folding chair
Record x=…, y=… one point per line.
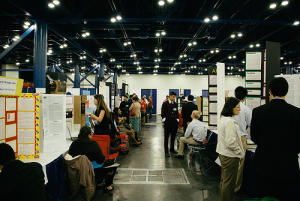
x=104, y=143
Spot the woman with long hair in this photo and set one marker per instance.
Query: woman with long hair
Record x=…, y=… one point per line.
x=135, y=120
x=85, y=145
x=229, y=147
x=121, y=121
x=102, y=115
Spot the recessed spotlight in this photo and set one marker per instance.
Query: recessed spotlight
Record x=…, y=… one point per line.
x=65, y=45
x=284, y=3
x=27, y=60
x=257, y=45
x=251, y=46
x=87, y=33
x=212, y=51
x=163, y=33
x=281, y=58
x=157, y=34
x=170, y=1
x=229, y=57
x=217, y=50
x=27, y=23
x=25, y=26
x=189, y=44
x=240, y=34
x=215, y=17
x=296, y=23
x=194, y=43
x=232, y=35
x=17, y=63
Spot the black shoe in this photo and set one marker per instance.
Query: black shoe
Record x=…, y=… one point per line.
x=179, y=156
x=167, y=154
x=175, y=152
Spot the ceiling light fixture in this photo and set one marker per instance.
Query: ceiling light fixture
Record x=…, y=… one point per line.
x=257, y=45
x=27, y=60
x=281, y=58
x=113, y=20
x=163, y=33
x=234, y=56
x=56, y=2
x=51, y=5
x=251, y=46
x=284, y=3
x=215, y=17
x=206, y=20
x=157, y=34
x=217, y=50
x=212, y=51
x=118, y=17
x=273, y=5
x=240, y=34
x=296, y=23
x=232, y=35
x=161, y=3
x=170, y=1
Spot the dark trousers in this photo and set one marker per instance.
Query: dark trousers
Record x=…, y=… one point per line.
x=171, y=127
x=149, y=111
x=280, y=189
x=105, y=174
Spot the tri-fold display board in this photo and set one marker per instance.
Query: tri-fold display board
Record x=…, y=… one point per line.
x=212, y=96
x=20, y=124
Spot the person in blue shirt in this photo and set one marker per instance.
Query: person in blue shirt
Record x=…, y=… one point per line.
x=243, y=120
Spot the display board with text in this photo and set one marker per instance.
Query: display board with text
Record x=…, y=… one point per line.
x=20, y=124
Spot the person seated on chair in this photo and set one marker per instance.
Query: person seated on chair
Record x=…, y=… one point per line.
x=85, y=145
x=124, y=126
x=194, y=134
x=18, y=180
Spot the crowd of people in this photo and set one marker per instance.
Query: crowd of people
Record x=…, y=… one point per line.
x=275, y=162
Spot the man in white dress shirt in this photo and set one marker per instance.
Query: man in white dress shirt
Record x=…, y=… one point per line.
x=244, y=120
x=195, y=133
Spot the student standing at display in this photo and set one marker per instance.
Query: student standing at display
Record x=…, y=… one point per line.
x=143, y=110
x=150, y=106
x=125, y=105
x=102, y=115
x=230, y=148
x=18, y=180
x=275, y=130
x=244, y=120
x=135, y=120
x=195, y=134
x=187, y=110
x=170, y=119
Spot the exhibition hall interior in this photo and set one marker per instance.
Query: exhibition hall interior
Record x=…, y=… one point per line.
x=127, y=100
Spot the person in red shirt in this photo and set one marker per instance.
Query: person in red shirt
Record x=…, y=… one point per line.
x=150, y=106
x=143, y=110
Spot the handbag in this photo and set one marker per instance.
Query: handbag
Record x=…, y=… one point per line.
x=132, y=113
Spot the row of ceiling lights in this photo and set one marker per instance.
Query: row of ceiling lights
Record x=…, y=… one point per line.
x=53, y=4
x=274, y=4
x=162, y=2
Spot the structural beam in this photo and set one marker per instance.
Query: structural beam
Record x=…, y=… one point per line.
x=77, y=77
x=52, y=68
x=115, y=77
x=12, y=46
x=101, y=68
x=84, y=77
x=87, y=80
x=108, y=77
x=40, y=54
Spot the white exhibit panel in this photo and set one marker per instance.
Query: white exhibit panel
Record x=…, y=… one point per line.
x=293, y=95
x=161, y=96
x=54, y=119
x=196, y=92
x=221, y=89
x=74, y=91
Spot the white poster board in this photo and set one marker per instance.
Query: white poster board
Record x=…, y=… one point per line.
x=253, y=61
x=54, y=119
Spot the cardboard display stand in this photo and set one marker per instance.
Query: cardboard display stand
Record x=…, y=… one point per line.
x=20, y=124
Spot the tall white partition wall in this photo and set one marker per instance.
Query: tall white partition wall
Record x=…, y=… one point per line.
x=220, y=88
x=161, y=96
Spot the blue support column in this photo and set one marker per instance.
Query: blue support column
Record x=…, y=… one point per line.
x=101, y=68
x=289, y=70
x=52, y=68
x=96, y=78
x=77, y=77
x=115, y=77
x=40, y=54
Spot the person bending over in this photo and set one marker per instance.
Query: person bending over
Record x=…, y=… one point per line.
x=18, y=180
x=124, y=126
x=102, y=115
x=194, y=134
x=85, y=145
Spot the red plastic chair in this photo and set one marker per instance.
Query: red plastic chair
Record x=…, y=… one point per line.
x=104, y=143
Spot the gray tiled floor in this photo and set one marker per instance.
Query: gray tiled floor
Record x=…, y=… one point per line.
x=150, y=155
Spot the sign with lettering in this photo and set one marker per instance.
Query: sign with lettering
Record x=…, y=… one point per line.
x=10, y=86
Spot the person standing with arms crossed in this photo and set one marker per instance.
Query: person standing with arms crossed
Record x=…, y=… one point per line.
x=170, y=119
x=187, y=110
x=243, y=120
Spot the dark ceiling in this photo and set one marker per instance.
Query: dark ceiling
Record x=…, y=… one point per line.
x=182, y=20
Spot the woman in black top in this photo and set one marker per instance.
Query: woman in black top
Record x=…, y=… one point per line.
x=84, y=145
x=102, y=116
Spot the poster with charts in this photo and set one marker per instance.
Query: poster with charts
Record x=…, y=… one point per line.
x=253, y=75
x=253, y=60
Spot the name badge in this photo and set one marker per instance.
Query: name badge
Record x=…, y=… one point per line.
x=174, y=109
x=127, y=105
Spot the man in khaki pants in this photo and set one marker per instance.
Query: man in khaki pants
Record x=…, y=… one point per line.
x=244, y=120
x=194, y=134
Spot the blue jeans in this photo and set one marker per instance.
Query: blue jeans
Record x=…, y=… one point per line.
x=149, y=111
